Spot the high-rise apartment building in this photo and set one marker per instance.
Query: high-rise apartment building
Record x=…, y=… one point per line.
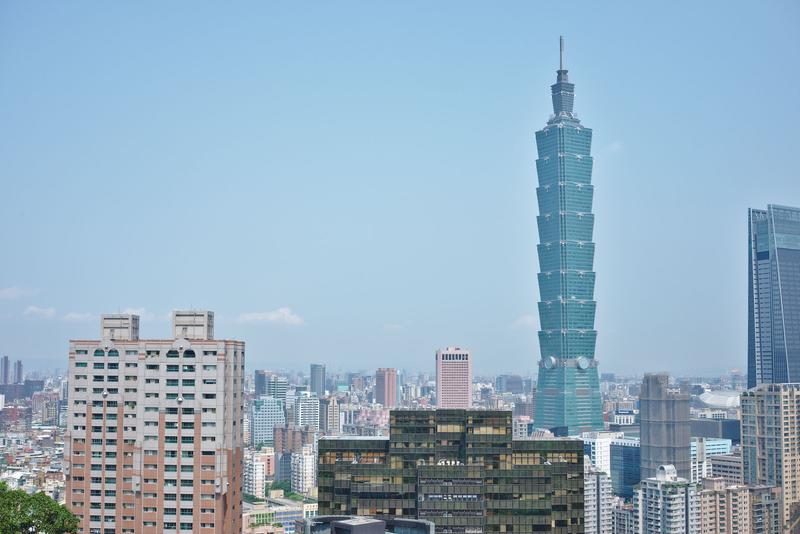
x=265, y=414
x=771, y=443
x=277, y=386
x=667, y=504
x=598, y=500
x=701, y=452
x=665, y=434
x=154, y=435
x=459, y=469
x=597, y=446
x=304, y=470
x=18, y=375
x=306, y=411
x=386, y=387
x=726, y=509
x=329, y=415
x=259, y=468
x=568, y=390
x=454, y=378
x=5, y=370
x=624, y=518
x=773, y=349
x=626, y=466
x=318, y=379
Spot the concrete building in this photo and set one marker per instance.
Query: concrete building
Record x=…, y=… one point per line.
x=459, y=469
x=701, y=452
x=265, y=414
x=306, y=410
x=386, y=387
x=277, y=386
x=329, y=416
x=276, y=511
x=771, y=443
x=625, y=466
x=120, y=327
x=665, y=430
x=598, y=500
x=597, y=446
x=623, y=518
x=726, y=509
x=317, y=385
x=304, y=470
x=193, y=324
x=453, y=378
x=259, y=469
x=667, y=504
x=728, y=467
x=154, y=426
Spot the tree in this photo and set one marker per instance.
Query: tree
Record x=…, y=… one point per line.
x=20, y=512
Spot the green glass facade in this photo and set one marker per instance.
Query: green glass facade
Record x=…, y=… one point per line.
x=568, y=390
x=459, y=469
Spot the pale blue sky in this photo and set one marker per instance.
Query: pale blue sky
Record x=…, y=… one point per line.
x=370, y=167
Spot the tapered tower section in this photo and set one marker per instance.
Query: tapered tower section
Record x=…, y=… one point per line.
x=568, y=391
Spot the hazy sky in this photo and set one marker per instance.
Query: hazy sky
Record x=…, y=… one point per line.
x=354, y=182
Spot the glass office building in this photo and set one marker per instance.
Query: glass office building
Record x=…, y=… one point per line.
x=459, y=469
x=774, y=290
x=625, y=466
x=568, y=391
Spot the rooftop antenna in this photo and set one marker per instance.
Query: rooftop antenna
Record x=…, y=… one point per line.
x=561, y=54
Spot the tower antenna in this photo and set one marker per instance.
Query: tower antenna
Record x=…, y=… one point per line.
x=561, y=54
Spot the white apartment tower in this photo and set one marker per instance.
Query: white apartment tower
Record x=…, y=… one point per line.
x=304, y=470
x=666, y=504
x=598, y=500
x=306, y=410
x=453, y=378
x=597, y=445
x=154, y=436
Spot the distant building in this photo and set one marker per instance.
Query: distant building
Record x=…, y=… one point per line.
x=625, y=466
x=265, y=414
x=350, y=524
x=701, y=452
x=717, y=428
x=18, y=375
x=453, y=378
x=259, y=469
x=509, y=384
x=597, y=446
x=771, y=443
x=623, y=518
x=459, y=469
x=304, y=470
x=317, y=385
x=728, y=467
x=664, y=427
x=773, y=351
x=667, y=504
x=598, y=500
x=386, y=387
x=306, y=411
x=260, y=383
x=329, y=415
x=276, y=386
x=5, y=370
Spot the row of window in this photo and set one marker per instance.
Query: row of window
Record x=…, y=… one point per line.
x=147, y=395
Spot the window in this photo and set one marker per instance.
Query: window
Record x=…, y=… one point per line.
x=152, y=367
x=81, y=364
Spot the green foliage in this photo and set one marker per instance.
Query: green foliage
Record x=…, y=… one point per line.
x=284, y=485
x=20, y=512
x=246, y=497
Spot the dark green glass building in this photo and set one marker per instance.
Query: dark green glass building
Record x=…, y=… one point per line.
x=459, y=469
x=568, y=390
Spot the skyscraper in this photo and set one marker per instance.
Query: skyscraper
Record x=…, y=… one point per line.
x=318, y=379
x=386, y=387
x=260, y=383
x=5, y=370
x=18, y=375
x=453, y=378
x=771, y=444
x=154, y=435
x=568, y=390
x=625, y=466
x=306, y=411
x=598, y=500
x=665, y=433
x=773, y=348
x=265, y=414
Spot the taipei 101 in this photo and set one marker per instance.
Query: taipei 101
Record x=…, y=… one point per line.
x=358, y=267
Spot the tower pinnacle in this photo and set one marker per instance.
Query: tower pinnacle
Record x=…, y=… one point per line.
x=561, y=53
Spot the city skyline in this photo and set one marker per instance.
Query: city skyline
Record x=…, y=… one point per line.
x=352, y=263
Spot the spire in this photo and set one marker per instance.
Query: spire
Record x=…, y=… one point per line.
x=563, y=91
